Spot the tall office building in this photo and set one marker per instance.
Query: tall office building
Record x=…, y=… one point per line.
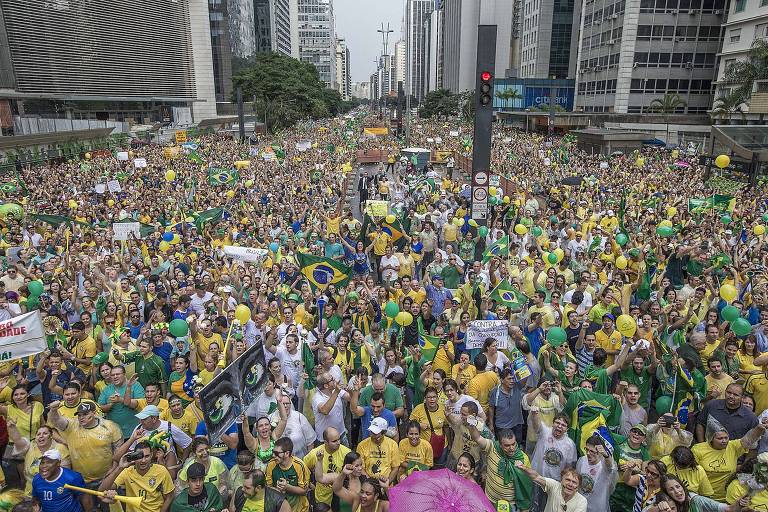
x=632, y=52
x=434, y=27
x=361, y=90
x=87, y=59
x=400, y=60
x=549, y=32
x=417, y=14
x=317, y=41
x=272, y=19
x=343, y=77
x=747, y=22
x=462, y=18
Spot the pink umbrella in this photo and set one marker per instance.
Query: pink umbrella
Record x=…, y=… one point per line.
x=441, y=490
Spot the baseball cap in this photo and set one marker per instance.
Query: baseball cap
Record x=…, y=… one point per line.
x=146, y=412
x=196, y=470
x=609, y=316
x=437, y=276
x=52, y=455
x=639, y=427
x=85, y=407
x=378, y=425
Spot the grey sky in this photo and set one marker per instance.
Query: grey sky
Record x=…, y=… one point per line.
x=357, y=22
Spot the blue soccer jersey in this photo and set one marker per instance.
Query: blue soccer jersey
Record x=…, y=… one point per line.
x=52, y=494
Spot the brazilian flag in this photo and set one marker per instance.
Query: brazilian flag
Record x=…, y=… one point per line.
x=8, y=187
x=194, y=157
x=213, y=215
x=394, y=229
x=57, y=220
x=429, y=345
x=506, y=294
x=218, y=176
x=320, y=272
x=499, y=248
x=592, y=414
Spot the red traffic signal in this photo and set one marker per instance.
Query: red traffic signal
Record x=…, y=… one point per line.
x=485, y=88
x=485, y=76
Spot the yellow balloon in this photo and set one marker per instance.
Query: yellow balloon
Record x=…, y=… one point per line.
x=230, y=194
x=72, y=204
x=666, y=223
x=164, y=246
x=621, y=262
x=248, y=183
x=506, y=199
x=244, y=220
x=170, y=175
x=759, y=230
x=110, y=202
x=520, y=229
x=640, y=162
x=671, y=212
x=675, y=153
x=728, y=292
x=242, y=314
x=390, y=218
x=560, y=254
x=626, y=325
x=722, y=161
x=492, y=191
x=87, y=156
x=473, y=223
x=176, y=239
x=404, y=318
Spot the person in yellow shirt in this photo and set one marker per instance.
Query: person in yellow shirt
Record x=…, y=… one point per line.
x=415, y=452
x=539, y=306
x=152, y=482
x=682, y=463
x=330, y=455
x=177, y=415
x=380, y=454
x=481, y=384
x=608, y=338
x=203, y=338
x=82, y=348
x=463, y=371
x=717, y=380
x=289, y=475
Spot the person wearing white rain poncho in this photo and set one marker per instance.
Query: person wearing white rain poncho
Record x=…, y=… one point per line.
x=719, y=454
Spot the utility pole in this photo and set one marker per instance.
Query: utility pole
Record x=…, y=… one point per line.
x=481, y=148
x=385, y=36
x=240, y=114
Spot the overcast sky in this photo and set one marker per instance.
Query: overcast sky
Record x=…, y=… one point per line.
x=357, y=22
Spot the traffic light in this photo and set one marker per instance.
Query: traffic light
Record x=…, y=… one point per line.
x=486, y=88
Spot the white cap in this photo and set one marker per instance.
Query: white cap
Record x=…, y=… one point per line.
x=610, y=213
x=52, y=454
x=378, y=425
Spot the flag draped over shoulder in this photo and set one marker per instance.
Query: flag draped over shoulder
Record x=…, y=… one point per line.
x=592, y=413
x=498, y=248
x=320, y=272
x=218, y=176
x=506, y=294
x=213, y=215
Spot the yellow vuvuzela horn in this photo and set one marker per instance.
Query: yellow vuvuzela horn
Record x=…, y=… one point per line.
x=133, y=501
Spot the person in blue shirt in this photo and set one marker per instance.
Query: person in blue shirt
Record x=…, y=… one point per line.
x=226, y=447
x=534, y=333
x=375, y=410
x=333, y=249
x=48, y=486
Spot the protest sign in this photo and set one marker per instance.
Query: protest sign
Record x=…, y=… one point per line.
x=181, y=136
x=248, y=254
x=114, y=186
x=21, y=336
x=140, y=163
x=100, y=188
x=122, y=156
x=377, y=208
x=123, y=230
x=480, y=330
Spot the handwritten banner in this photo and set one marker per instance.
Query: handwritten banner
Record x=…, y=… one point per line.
x=480, y=330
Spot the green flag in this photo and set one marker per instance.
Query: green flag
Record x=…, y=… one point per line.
x=320, y=272
x=218, y=176
x=194, y=158
x=499, y=248
x=592, y=414
x=308, y=358
x=56, y=220
x=506, y=294
x=717, y=202
x=213, y=215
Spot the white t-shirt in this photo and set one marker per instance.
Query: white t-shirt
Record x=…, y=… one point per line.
x=335, y=418
x=298, y=429
x=292, y=364
x=260, y=406
x=389, y=274
x=197, y=304
x=597, y=483
x=552, y=454
x=556, y=503
x=461, y=401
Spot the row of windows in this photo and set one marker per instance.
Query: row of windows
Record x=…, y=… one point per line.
x=597, y=87
x=602, y=38
x=604, y=13
x=674, y=85
x=607, y=61
x=680, y=33
x=675, y=60
x=668, y=6
x=646, y=109
x=597, y=108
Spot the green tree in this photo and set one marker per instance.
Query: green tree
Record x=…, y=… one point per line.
x=727, y=105
x=744, y=73
x=666, y=105
x=439, y=103
x=507, y=94
x=285, y=90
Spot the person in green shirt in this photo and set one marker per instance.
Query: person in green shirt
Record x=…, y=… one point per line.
x=149, y=366
x=204, y=495
x=111, y=401
x=452, y=273
x=393, y=399
x=601, y=377
x=627, y=452
x=639, y=373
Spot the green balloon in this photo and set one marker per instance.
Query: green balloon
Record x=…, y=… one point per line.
x=741, y=327
x=178, y=328
x=622, y=239
x=391, y=309
x=526, y=221
x=726, y=219
x=553, y=219
x=35, y=288
x=537, y=231
x=765, y=217
x=552, y=258
x=482, y=231
x=665, y=231
x=556, y=335
x=664, y=405
x=730, y=313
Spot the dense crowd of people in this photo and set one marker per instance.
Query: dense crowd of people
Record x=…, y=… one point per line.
x=630, y=374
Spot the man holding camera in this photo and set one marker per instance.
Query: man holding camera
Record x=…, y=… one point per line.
x=140, y=476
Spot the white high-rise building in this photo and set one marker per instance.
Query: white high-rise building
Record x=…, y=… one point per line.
x=435, y=53
x=417, y=13
x=343, y=77
x=361, y=90
x=317, y=38
x=461, y=19
x=400, y=60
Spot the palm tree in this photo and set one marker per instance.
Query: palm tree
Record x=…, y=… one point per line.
x=666, y=105
x=509, y=94
x=744, y=73
x=727, y=105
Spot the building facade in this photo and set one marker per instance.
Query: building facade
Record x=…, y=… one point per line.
x=462, y=18
x=417, y=13
x=80, y=68
x=361, y=90
x=317, y=38
x=400, y=60
x=549, y=33
x=435, y=56
x=632, y=52
x=343, y=77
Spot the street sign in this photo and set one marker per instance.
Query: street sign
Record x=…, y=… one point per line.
x=480, y=178
x=479, y=195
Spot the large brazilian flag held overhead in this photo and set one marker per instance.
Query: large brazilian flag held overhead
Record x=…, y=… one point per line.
x=320, y=272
